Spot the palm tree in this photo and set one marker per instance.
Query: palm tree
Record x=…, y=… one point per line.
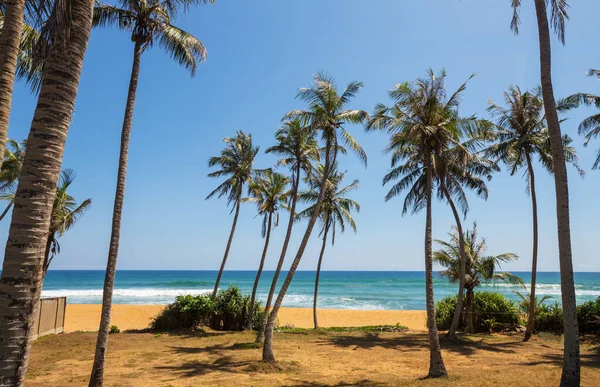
x=522, y=134
x=335, y=211
x=10, y=171
x=558, y=10
x=326, y=116
x=148, y=22
x=270, y=193
x=65, y=213
x=590, y=127
x=298, y=149
x=480, y=268
x=423, y=124
x=235, y=161
x=21, y=279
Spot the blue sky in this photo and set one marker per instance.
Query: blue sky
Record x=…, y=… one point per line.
x=259, y=54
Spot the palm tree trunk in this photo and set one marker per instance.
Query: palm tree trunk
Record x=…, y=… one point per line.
x=268, y=355
x=258, y=273
x=436, y=363
x=532, y=303
x=21, y=280
x=463, y=265
x=571, y=362
x=10, y=37
x=470, y=315
x=288, y=234
x=7, y=209
x=97, y=376
x=235, y=218
x=319, y=273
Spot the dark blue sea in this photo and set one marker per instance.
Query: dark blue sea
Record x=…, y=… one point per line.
x=391, y=290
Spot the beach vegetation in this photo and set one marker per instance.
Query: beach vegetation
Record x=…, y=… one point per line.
x=114, y=329
x=226, y=312
x=10, y=172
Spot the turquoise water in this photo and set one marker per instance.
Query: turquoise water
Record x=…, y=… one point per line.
x=388, y=290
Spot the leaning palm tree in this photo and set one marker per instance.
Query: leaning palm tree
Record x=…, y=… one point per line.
x=589, y=128
x=325, y=117
x=558, y=10
x=148, y=23
x=21, y=279
x=522, y=135
x=235, y=161
x=480, y=268
x=298, y=148
x=270, y=193
x=423, y=125
x=10, y=171
x=65, y=213
x=335, y=212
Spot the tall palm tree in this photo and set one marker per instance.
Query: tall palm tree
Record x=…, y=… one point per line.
x=590, y=127
x=235, y=161
x=335, y=212
x=270, y=193
x=558, y=10
x=326, y=117
x=21, y=279
x=148, y=22
x=298, y=148
x=480, y=268
x=521, y=135
x=423, y=125
x=10, y=171
x=65, y=213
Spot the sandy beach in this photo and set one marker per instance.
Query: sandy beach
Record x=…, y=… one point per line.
x=84, y=317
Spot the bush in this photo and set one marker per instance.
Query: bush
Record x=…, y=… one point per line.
x=114, y=329
x=228, y=311
x=549, y=318
x=487, y=306
x=588, y=317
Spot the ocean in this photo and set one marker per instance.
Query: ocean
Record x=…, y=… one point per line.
x=386, y=290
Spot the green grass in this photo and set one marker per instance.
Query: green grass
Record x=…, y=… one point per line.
x=366, y=328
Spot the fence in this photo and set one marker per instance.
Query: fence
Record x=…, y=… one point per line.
x=51, y=317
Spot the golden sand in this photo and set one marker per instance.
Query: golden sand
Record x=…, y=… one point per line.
x=81, y=317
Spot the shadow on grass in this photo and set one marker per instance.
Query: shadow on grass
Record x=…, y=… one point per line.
x=217, y=348
x=307, y=383
x=587, y=360
x=198, y=368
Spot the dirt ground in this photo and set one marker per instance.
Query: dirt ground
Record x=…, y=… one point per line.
x=304, y=359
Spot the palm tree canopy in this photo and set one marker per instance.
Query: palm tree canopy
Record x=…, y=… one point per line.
x=336, y=209
x=425, y=126
x=479, y=267
x=235, y=163
x=11, y=165
x=558, y=16
x=269, y=190
x=589, y=128
x=327, y=113
x=296, y=146
x=521, y=132
x=66, y=212
x=150, y=22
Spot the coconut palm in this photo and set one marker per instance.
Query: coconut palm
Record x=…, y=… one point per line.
x=522, y=135
x=335, y=212
x=423, y=125
x=65, y=213
x=235, y=161
x=10, y=171
x=21, y=279
x=270, y=193
x=590, y=127
x=297, y=148
x=326, y=118
x=148, y=23
x=480, y=268
x=558, y=11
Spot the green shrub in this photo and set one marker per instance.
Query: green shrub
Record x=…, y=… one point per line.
x=487, y=306
x=588, y=316
x=549, y=318
x=114, y=329
x=228, y=311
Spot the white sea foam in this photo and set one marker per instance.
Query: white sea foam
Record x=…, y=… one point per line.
x=545, y=289
x=126, y=293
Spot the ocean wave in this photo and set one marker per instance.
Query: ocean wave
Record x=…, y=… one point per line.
x=128, y=293
x=545, y=289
